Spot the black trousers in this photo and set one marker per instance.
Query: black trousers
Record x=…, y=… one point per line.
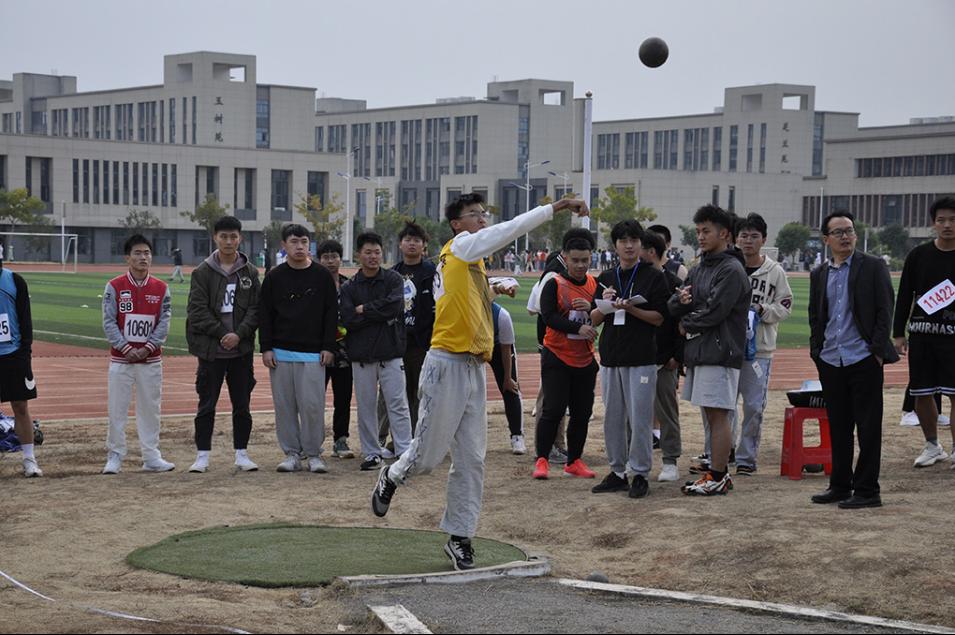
x=854, y=404
x=240, y=378
x=513, y=409
x=341, y=379
x=565, y=386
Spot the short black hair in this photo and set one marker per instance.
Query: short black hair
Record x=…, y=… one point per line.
x=367, y=237
x=752, y=221
x=330, y=246
x=414, y=230
x=824, y=228
x=136, y=239
x=578, y=238
x=654, y=241
x=227, y=223
x=454, y=208
x=663, y=230
x=946, y=202
x=715, y=215
x=629, y=228
x=294, y=229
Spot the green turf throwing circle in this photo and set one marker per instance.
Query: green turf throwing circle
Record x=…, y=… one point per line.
x=307, y=555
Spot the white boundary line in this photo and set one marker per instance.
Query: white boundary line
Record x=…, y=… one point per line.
x=101, y=340
x=398, y=619
x=122, y=616
x=766, y=607
x=533, y=568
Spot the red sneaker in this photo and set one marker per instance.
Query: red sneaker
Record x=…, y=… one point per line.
x=541, y=468
x=579, y=469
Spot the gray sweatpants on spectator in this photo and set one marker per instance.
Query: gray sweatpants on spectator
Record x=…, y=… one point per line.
x=628, y=393
x=753, y=387
x=390, y=375
x=667, y=411
x=299, y=399
x=452, y=415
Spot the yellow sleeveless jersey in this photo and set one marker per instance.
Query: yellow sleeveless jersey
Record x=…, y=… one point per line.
x=462, y=320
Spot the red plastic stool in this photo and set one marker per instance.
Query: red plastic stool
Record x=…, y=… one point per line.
x=794, y=455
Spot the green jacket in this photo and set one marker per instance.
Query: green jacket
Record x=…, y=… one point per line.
x=204, y=325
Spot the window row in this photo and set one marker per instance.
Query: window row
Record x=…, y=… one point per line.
x=919, y=165
x=101, y=182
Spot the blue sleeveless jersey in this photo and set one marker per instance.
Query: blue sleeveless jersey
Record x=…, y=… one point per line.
x=9, y=322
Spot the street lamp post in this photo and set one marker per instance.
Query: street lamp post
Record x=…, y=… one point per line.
x=562, y=175
x=348, y=175
x=527, y=193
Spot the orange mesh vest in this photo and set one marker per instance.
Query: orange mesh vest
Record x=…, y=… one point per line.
x=572, y=349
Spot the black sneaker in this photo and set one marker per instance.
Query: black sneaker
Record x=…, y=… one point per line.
x=384, y=490
x=461, y=553
x=612, y=483
x=370, y=463
x=745, y=470
x=639, y=487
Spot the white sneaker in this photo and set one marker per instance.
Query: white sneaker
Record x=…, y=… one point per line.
x=944, y=421
x=31, y=469
x=316, y=465
x=244, y=463
x=909, y=419
x=158, y=465
x=517, y=444
x=386, y=454
x=201, y=465
x=932, y=454
x=670, y=472
x=113, y=462
x=291, y=463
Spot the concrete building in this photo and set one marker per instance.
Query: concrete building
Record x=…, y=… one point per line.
x=211, y=128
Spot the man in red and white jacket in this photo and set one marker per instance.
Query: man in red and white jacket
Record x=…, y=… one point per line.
x=136, y=312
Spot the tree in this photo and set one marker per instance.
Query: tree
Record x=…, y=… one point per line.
x=550, y=235
x=138, y=221
x=207, y=214
x=620, y=204
x=689, y=237
x=895, y=240
x=273, y=234
x=388, y=224
x=870, y=245
x=19, y=207
x=327, y=220
x=792, y=238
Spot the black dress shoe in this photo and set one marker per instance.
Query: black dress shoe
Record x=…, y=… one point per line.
x=858, y=502
x=830, y=496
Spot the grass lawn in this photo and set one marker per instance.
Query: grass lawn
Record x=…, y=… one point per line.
x=66, y=307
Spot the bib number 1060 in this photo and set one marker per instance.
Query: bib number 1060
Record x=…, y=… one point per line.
x=138, y=328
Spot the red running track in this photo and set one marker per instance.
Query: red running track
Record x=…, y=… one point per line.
x=71, y=381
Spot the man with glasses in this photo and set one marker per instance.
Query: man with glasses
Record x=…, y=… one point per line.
x=453, y=389
x=850, y=319
x=298, y=317
x=927, y=305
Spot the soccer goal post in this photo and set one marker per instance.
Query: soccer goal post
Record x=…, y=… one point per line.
x=36, y=251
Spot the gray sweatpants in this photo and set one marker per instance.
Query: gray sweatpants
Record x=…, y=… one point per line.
x=299, y=399
x=452, y=415
x=628, y=394
x=753, y=387
x=667, y=411
x=390, y=375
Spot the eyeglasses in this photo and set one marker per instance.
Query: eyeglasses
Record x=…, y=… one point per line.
x=484, y=215
x=839, y=233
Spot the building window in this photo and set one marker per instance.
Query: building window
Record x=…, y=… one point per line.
x=361, y=139
x=608, y=151
x=731, y=203
x=263, y=116
x=86, y=180
x=715, y=199
x=95, y=182
x=319, y=138
x=76, y=180
x=336, y=138
x=695, y=148
x=385, y=148
x=165, y=185
x=411, y=150
x=173, y=187
x=818, y=132
x=195, y=119
x=125, y=182
x=155, y=188
x=762, y=148
x=172, y=120
x=361, y=206
x=135, y=183
x=316, y=185
x=433, y=203
x=105, y=182
x=749, y=147
x=523, y=138
x=280, y=189
x=185, y=126
x=734, y=147
x=162, y=121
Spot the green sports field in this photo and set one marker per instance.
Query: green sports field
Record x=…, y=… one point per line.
x=66, y=309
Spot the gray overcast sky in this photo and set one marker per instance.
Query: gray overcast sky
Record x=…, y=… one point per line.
x=887, y=60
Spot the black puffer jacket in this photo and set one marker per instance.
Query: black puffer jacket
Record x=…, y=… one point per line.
x=378, y=333
x=715, y=322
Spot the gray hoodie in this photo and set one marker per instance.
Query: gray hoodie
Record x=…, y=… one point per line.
x=715, y=321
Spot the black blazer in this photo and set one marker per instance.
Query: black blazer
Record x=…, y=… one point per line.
x=871, y=301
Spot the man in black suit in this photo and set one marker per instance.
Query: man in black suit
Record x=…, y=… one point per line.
x=850, y=318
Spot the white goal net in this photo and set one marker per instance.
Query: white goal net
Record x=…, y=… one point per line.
x=34, y=251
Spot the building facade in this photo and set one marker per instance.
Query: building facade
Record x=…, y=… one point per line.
x=211, y=129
